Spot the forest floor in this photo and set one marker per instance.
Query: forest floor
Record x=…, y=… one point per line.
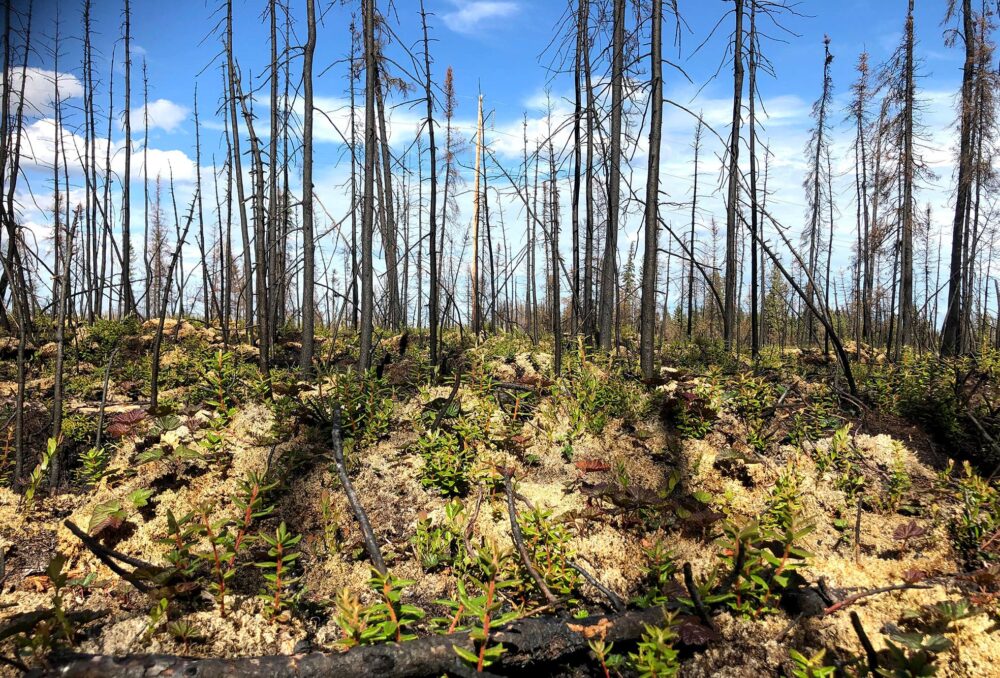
x=784, y=497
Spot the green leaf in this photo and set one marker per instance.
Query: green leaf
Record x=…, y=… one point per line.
x=140, y=498
x=182, y=451
x=154, y=454
x=470, y=657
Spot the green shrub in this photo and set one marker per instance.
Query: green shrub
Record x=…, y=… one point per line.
x=548, y=546
x=978, y=518
x=655, y=655
x=104, y=335
x=366, y=406
x=447, y=461
x=592, y=399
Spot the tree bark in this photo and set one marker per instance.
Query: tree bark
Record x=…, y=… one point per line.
x=309, y=260
x=732, y=200
x=434, y=293
x=647, y=323
x=953, y=340
x=368, y=200
x=530, y=644
x=609, y=272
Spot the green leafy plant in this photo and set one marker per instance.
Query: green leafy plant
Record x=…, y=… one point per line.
x=691, y=421
x=220, y=379
x=783, y=504
x=180, y=543
x=366, y=407
x=226, y=537
x=277, y=572
x=603, y=652
x=897, y=485
x=157, y=615
x=592, y=399
x=911, y=655
x=349, y=615
x=185, y=632
x=391, y=616
x=113, y=513
x=93, y=461
x=758, y=573
x=939, y=617
x=447, y=462
x=389, y=619
x=38, y=474
x=655, y=655
x=813, y=421
x=332, y=520
x=810, y=667
x=548, y=546
x=59, y=579
x=978, y=517
x=433, y=544
x=658, y=576
x=483, y=609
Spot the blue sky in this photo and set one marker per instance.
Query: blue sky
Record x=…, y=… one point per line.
x=501, y=47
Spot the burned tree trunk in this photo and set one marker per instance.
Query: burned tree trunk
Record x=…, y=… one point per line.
x=647, y=324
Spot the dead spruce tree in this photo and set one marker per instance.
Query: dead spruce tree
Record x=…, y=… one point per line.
x=647, y=322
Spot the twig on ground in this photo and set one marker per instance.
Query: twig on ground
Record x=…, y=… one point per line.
x=519, y=543
x=850, y=600
x=107, y=556
x=616, y=601
x=371, y=545
x=857, y=533
x=866, y=643
x=699, y=606
x=531, y=644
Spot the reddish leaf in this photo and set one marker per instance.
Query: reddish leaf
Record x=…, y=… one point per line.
x=130, y=418
x=521, y=440
x=117, y=430
x=693, y=633
x=908, y=531
x=592, y=465
x=703, y=519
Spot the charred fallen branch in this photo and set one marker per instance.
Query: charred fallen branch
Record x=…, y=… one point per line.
x=371, y=545
x=530, y=643
x=111, y=559
x=515, y=531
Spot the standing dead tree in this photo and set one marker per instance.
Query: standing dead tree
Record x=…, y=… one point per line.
x=368, y=200
x=647, y=323
x=609, y=269
x=154, y=373
x=732, y=198
x=309, y=261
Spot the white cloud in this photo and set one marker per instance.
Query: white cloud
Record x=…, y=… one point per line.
x=162, y=164
x=163, y=113
x=39, y=145
x=39, y=89
x=469, y=15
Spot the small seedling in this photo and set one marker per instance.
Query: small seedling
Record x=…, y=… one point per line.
x=907, y=532
x=656, y=656
x=810, y=667
x=38, y=474
x=277, y=572
x=185, y=632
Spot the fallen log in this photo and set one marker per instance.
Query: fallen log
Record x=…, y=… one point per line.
x=529, y=643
